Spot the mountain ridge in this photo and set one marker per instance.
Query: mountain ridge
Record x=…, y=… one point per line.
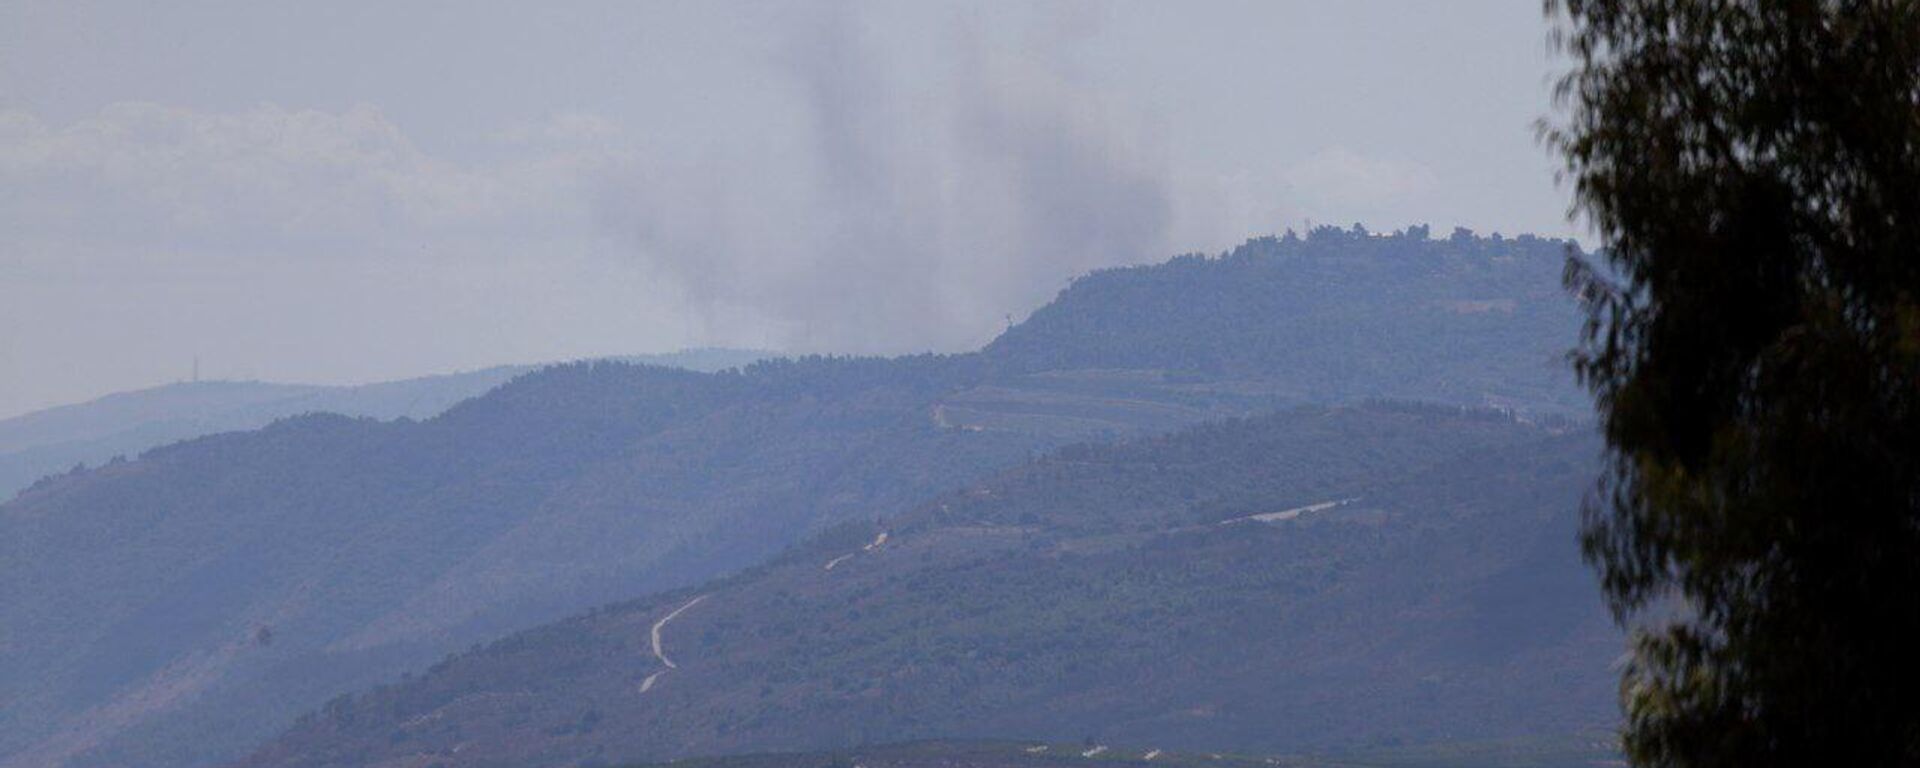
x=40, y=443
x=1111, y=590
x=366, y=548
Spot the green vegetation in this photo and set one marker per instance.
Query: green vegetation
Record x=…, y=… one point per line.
x=36, y=445
x=372, y=547
x=365, y=549
x=1337, y=315
x=1754, y=345
x=1104, y=592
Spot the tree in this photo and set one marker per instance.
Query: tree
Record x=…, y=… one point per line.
x=1753, y=342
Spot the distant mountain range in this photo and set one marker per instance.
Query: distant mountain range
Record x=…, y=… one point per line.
x=1316, y=580
x=124, y=424
x=176, y=609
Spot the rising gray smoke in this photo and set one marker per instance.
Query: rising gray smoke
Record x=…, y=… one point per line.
x=347, y=192
x=918, y=211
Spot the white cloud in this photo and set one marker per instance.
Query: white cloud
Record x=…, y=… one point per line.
x=868, y=175
x=271, y=181
x=305, y=245
x=920, y=209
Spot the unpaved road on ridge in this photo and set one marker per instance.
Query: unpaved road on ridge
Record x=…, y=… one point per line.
x=1290, y=514
x=877, y=541
x=659, y=651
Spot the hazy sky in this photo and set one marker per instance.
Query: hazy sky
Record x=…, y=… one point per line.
x=340, y=192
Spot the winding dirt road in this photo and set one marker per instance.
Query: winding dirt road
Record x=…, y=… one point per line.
x=875, y=544
x=1290, y=514
x=659, y=651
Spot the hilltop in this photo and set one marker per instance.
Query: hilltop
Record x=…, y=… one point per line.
x=174, y=609
x=125, y=424
x=1336, y=316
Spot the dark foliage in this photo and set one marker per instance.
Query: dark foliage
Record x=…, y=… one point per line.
x=1095, y=592
x=125, y=424
x=373, y=547
x=1338, y=315
x=1754, y=342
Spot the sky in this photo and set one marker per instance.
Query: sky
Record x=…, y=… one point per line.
x=360, y=191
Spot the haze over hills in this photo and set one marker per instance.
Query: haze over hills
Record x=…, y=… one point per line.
x=1316, y=580
x=34, y=445
x=176, y=609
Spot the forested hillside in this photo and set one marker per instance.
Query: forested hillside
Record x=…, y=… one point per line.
x=174, y=609
x=1317, y=580
x=1335, y=316
x=230, y=579
x=124, y=424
